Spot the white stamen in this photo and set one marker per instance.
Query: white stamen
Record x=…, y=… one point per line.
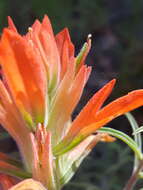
x=30, y=29
x=89, y=36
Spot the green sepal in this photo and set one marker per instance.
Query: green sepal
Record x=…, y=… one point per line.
x=81, y=54
x=71, y=171
x=52, y=86
x=63, y=147
x=28, y=118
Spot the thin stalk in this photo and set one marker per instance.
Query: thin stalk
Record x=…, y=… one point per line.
x=134, y=177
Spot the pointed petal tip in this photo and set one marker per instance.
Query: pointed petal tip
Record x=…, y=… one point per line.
x=116, y=108
x=112, y=82
x=46, y=20
x=11, y=24
x=8, y=32
x=47, y=26
x=45, y=17
x=64, y=34
x=9, y=19
x=65, y=30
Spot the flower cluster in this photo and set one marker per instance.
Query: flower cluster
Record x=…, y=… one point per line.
x=42, y=82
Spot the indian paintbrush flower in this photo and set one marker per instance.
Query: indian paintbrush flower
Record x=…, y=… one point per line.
x=42, y=82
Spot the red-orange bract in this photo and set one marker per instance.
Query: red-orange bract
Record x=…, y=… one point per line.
x=42, y=83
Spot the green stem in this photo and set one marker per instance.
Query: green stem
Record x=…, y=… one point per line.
x=133, y=179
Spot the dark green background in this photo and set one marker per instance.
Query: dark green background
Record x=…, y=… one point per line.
x=117, y=52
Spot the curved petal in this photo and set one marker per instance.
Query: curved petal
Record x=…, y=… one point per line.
x=43, y=158
x=24, y=73
x=63, y=37
x=66, y=49
x=116, y=108
x=66, y=99
x=86, y=116
x=11, y=24
x=42, y=37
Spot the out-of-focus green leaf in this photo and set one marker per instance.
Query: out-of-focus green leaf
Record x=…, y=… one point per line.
x=141, y=175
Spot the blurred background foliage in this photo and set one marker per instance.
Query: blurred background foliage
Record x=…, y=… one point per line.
x=117, y=52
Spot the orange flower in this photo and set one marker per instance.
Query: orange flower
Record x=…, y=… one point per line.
x=42, y=84
x=24, y=76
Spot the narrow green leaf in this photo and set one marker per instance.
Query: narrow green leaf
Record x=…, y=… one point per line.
x=125, y=138
x=135, y=128
x=137, y=137
x=138, y=131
